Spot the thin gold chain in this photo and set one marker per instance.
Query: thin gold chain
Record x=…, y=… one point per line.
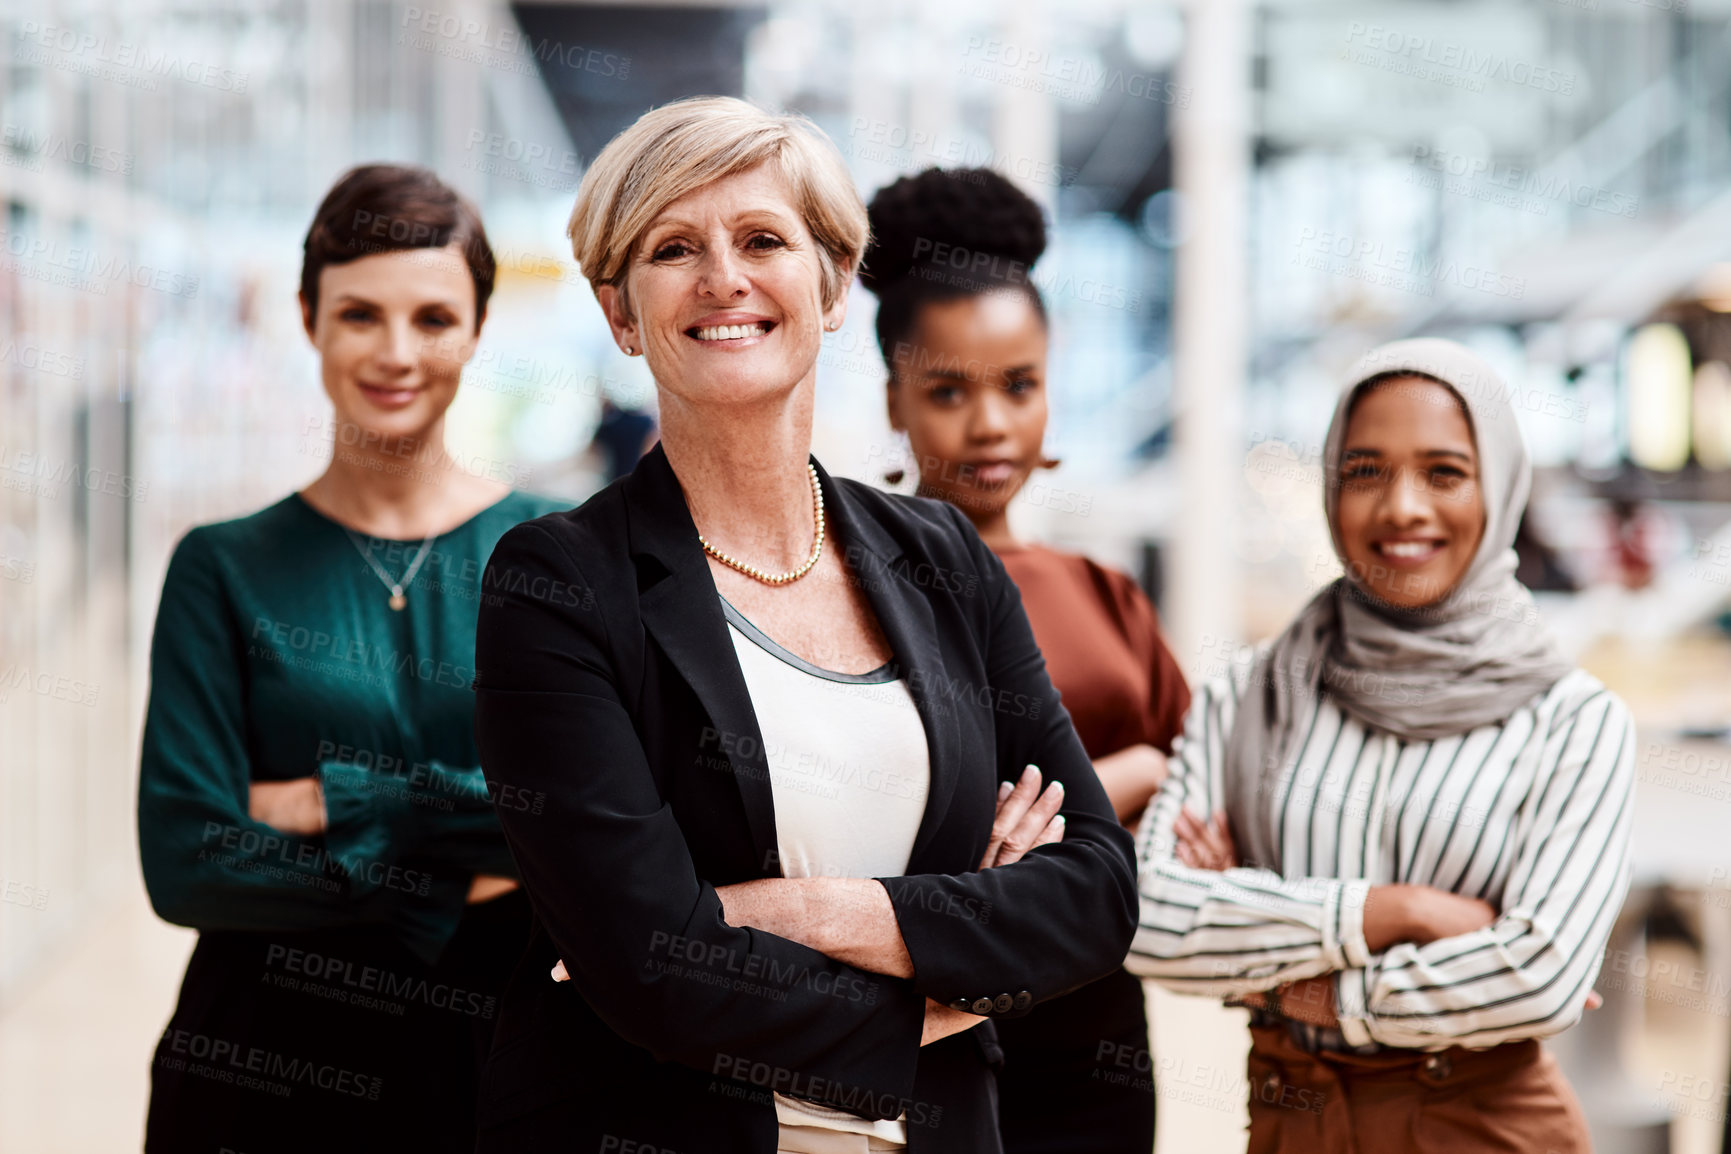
x=791, y=574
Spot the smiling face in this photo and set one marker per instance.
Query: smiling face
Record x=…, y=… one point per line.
x=969, y=389
x=725, y=293
x=393, y=331
x=1411, y=509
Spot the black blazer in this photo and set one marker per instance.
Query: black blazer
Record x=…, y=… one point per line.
x=629, y=775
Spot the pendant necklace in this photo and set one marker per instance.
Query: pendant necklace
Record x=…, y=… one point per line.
x=399, y=599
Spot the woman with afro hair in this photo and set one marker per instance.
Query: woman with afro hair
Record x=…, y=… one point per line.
x=964, y=334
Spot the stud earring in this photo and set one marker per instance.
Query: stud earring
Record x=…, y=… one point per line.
x=629, y=351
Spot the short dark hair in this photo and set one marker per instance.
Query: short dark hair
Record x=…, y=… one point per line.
x=390, y=208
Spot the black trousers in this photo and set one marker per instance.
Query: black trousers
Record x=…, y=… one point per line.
x=332, y=1041
x=1077, y=1076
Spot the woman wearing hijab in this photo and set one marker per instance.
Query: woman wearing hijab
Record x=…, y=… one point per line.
x=1434, y=806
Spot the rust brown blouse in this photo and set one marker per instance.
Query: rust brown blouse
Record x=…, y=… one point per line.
x=1103, y=649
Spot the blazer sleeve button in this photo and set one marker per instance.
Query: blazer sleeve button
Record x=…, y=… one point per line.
x=1022, y=1001
x=1003, y=1003
x=981, y=1006
x=961, y=1004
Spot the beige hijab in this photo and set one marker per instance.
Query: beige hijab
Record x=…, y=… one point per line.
x=1470, y=659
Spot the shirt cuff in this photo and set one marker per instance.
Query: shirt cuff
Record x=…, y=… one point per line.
x=363, y=814
x=449, y=790
x=1343, y=924
x=1350, y=935
x=1350, y=999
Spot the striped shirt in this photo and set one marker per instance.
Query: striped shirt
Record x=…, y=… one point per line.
x=1532, y=815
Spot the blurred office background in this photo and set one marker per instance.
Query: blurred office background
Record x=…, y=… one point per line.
x=1244, y=198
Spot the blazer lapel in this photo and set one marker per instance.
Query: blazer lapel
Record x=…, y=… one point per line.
x=682, y=611
x=905, y=614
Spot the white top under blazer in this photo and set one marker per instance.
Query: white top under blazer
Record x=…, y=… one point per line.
x=849, y=771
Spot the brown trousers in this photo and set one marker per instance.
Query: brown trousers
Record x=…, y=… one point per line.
x=1510, y=1098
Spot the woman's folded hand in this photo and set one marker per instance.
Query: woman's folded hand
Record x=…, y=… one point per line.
x=1420, y=914
x=1392, y=913
x=1026, y=819
x=296, y=806
x=1205, y=845
x=486, y=887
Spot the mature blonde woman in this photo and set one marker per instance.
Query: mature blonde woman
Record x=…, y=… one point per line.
x=1434, y=806
x=770, y=741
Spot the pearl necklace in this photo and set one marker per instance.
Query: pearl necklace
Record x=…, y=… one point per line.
x=791, y=574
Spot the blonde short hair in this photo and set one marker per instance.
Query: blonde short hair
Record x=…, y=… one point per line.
x=680, y=147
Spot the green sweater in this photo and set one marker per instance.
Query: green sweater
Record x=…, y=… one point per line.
x=277, y=655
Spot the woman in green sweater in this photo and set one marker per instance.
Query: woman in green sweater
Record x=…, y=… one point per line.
x=310, y=796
